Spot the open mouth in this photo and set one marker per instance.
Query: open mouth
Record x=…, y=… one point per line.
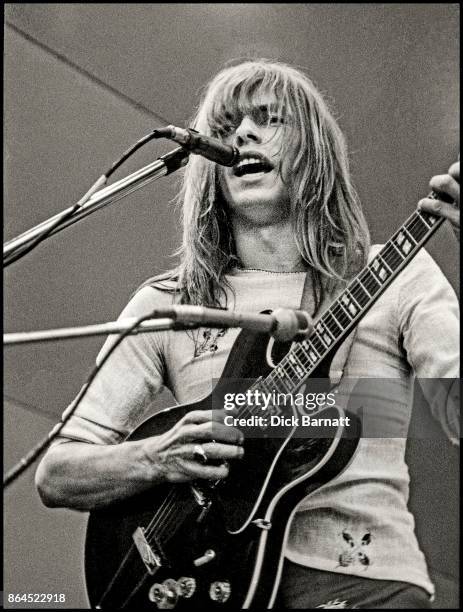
x=252, y=164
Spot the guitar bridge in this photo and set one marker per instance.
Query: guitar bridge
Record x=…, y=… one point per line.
x=151, y=558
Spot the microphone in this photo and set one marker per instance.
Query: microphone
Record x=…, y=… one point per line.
x=283, y=324
x=208, y=147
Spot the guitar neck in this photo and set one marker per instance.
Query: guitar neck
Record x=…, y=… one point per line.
x=335, y=324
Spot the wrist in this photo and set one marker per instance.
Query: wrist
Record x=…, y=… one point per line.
x=146, y=462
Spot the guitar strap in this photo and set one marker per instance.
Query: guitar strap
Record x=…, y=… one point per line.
x=308, y=304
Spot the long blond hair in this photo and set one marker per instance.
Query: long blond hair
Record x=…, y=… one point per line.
x=330, y=229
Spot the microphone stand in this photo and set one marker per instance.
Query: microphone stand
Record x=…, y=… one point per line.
x=175, y=317
x=163, y=166
x=99, y=329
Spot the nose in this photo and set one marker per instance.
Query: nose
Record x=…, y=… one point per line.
x=247, y=131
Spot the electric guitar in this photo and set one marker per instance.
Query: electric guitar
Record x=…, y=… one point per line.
x=221, y=545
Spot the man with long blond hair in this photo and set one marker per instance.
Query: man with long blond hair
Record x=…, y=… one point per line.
x=253, y=234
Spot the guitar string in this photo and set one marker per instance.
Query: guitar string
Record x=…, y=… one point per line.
x=161, y=510
x=416, y=221
x=118, y=571
x=131, y=549
x=165, y=512
x=388, y=249
x=135, y=589
x=159, y=523
x=371, y=284
x=174, y=518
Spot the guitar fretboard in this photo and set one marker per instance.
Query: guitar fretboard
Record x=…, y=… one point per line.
x=333, y=326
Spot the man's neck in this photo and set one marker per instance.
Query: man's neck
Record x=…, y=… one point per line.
x=270, y=247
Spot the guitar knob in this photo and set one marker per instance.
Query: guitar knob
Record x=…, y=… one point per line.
x=220, y=591
x=186, y=586
x=164, y=595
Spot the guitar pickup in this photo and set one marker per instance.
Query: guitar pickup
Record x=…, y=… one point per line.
x=151, y=557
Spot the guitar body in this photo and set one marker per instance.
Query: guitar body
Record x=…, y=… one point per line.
x=215, y=545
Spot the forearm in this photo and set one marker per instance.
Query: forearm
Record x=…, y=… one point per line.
x=88, y=476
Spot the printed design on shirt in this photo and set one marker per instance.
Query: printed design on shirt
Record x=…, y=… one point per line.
x=207, y=342
x=356, y=552
x=336, y=604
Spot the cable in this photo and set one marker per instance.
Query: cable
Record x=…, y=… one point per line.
x=131, y=150
x=21, y=251
x=28, y=459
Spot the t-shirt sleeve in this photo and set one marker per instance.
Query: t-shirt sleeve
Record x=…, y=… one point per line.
x=122, y=392
x=429, y=324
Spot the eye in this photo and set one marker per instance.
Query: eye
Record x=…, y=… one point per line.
x=230, y=121
x=265, y=116
x=276, y=120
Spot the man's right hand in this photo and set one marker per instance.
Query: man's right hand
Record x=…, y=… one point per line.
x=182, y=453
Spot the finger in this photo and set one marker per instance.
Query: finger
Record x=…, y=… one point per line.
x=215, y=450
x=227, y=433
x=206, y=472
x=197, y=416
x=203, y=416
x=442, y=209
x=209, y=431
x=446, y=184
x=454, y=171
x=219, y=415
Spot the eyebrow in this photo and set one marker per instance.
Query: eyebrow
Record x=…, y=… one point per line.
x=271, y=107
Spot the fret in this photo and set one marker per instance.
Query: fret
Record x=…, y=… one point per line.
x=301, y=348
x=392, y=256
x=332, y=323
x=364, y=288
x=264, y=387
x=311, y=355
x=361, y=296
x=425, y=218
x=369, y=282
x=349, y=303
x=288, y=367
x=283, y=374
x=349, y=306
x=430, y=219
x=298, y=363
x=342, y=315
x=273, y=383
x=402, y=242
x=418, y=227
x=294, y=366
x=380, y=258
x=408, y=235
x=316, y=344
x=348, y=294
x=381, y=271
x=324, y=333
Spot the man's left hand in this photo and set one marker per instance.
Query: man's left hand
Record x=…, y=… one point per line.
x=448, y=187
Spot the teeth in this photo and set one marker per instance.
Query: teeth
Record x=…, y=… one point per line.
x=252, y=165
x=249, y=160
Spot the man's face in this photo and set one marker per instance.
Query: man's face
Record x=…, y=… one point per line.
x=257, y=187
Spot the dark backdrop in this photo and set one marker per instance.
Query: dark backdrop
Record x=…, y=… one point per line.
x=83, y=82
